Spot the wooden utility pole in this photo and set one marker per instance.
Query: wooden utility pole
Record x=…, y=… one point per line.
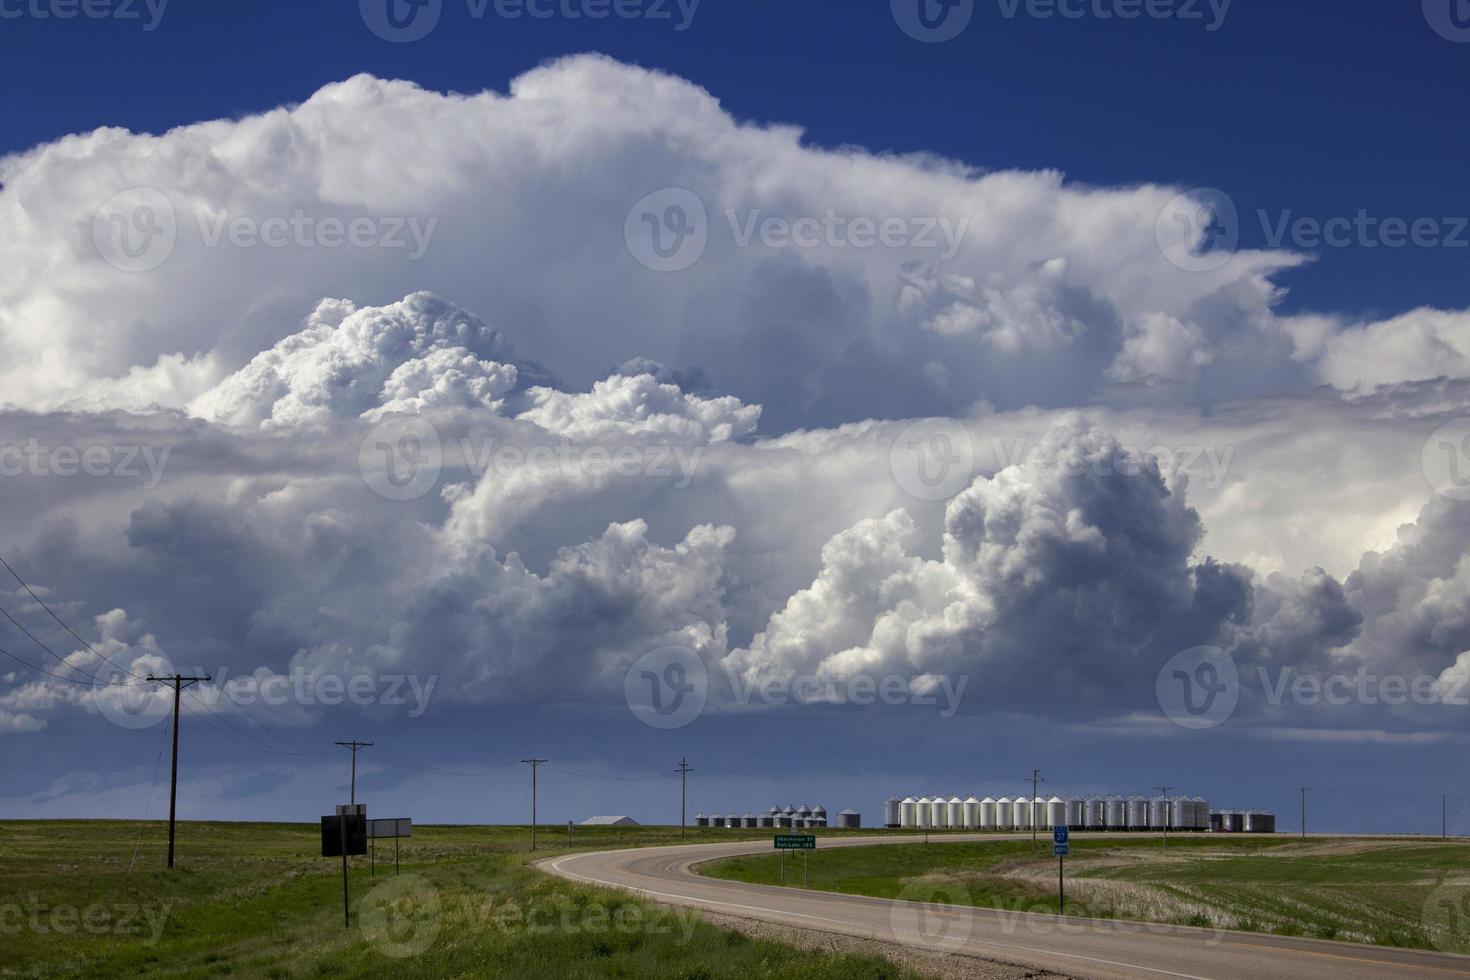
x=683, y=772
x=179, y=682
x=354, y=745
x=1035, y=776
x=1168, y=812
x=1304, y=812
x=534, y=764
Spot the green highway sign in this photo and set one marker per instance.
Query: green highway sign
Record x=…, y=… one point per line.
x=796, y=842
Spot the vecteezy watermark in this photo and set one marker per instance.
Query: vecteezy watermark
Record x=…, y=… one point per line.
x=402, y=917
x=401, y=458
x=33, y=458
x=404, y=21
x=1450, y=19
x=1199, y=688
x=1446, y=459
x=308, y=688
x=1211, y=464
x=934, y=912
x=1446, y=917
x=1037, y=919
x=939, y=691
x=677, y=463
x=148, y=13
x=669, y=230
x=1200, y=230
x=1363, y=687
x=138, y=230
x=937, y=21
x=125, y=696
x=667, y=687
x=98, y=919
x=933, y=459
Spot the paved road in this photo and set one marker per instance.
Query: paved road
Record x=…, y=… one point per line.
x=1091, y=948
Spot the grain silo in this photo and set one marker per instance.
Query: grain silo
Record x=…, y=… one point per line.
x=716, y=820
x=1181, y=813
x=972, y=813
x=1095, y=813
x=1137, y=813
x=1234, y=822
x=1201, y=813
x=1075, y=816
x=1256, y=822
x=892, y=813
x=1056, y=812
x=907, y=819
x=1117, y=813
x=939, y=813
x=1158, y=813
x=924, y=810
x=1004, y=813
x=987, y=813
x=768, y=820
x=955, y=817
x=819, y=816
x=1023, y=813
x=849, y=820
x=701, y=820
x=733, y=820
x=751, y=821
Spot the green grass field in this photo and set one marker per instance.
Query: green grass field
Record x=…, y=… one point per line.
x=256, y=900
x=1389, y=892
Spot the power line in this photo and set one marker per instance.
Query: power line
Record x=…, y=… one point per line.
x=354, y=745
x=53, y=654
x=53, y=615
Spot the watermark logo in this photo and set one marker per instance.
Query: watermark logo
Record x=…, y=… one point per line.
x=401, y=458
x=1199, y=688
x=933, y=21
x=402, y=917
x=942, y=691
x=935, y=913
x=1447, y=917
x=126, y=697
x=37, y=459
x=148, y=12
x=667, y=688
x=401, y=21
x=136, y=230
x=668, y=230
x=1199, y=230
x=1184, y=11
x=1449, y=18
x=933, y=459
x=1446, y=459
x=97, y=919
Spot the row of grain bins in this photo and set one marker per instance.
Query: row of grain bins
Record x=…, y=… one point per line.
x=789, y=817
x=1024, y=813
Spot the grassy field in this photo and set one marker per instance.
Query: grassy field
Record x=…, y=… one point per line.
x=1389, y=892
x=256, y=900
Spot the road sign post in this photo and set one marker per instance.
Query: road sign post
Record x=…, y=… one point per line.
x=1060, y=846
x=795, y=842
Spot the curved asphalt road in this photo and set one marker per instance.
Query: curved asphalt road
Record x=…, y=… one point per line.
x=1094, y=948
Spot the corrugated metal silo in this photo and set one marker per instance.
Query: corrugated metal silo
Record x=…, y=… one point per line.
x=1056, y=812
x=907, y=818
x=1201, y=814
x=1181, y=813
x=768, y=820
x=716, y=820
x=1137, y=813
x=751, y=820
x=1005, y=813
x=956, y=815
x=924, y=809
x=849, y=820
x=1158, y=813
x=1075, y=816
x=1095, y=813
x=1117, y=813
x=939, y=813
x=1235, y=822
x=892, y=817
x=701, y=820
x=987, y=813
x=732, y=820
x=972, y=813
x=1022, y=812
x=819, y=816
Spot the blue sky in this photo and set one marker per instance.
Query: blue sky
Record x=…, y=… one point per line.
x=1165, y=444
